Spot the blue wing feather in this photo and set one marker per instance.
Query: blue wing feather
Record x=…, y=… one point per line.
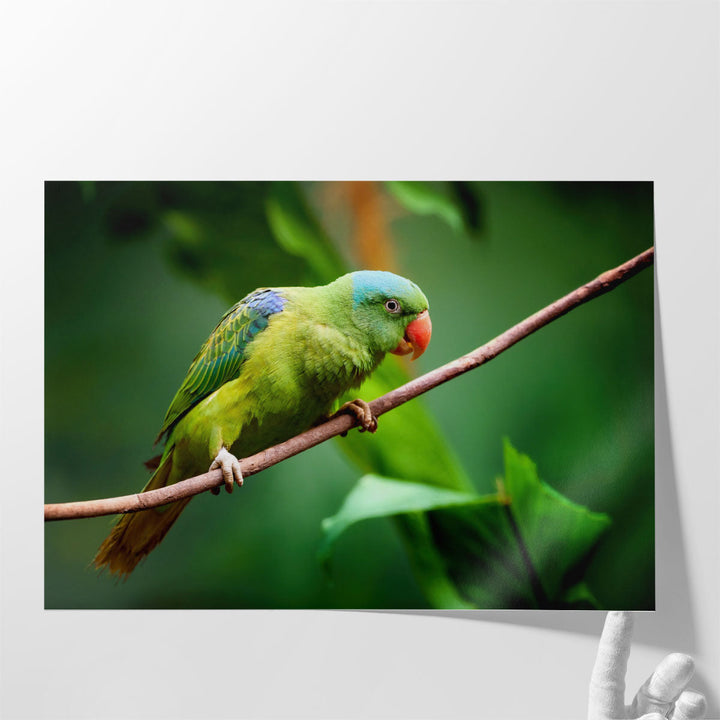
x=221, y=357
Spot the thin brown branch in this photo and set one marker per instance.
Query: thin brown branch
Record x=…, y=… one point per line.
x=262, y=460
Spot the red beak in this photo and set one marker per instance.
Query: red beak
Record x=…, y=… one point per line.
x=417, y=337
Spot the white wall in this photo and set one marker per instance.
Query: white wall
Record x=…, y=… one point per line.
x=358, y=90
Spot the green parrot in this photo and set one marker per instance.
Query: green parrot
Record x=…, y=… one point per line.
x=274, y=366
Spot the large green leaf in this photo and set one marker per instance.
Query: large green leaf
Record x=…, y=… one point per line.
x=374, y=496
x=533, y=554
x=526, y=547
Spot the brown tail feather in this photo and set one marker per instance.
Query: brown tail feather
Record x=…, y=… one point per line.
x=153, y=463
x=136, y=534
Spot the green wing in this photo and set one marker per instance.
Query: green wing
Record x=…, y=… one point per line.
x=221, y=357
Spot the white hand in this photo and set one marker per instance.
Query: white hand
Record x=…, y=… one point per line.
x=663, y=695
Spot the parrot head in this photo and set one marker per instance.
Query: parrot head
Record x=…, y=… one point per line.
x=392, y=311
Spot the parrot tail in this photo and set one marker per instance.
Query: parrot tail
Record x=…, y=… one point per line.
x=136, y=534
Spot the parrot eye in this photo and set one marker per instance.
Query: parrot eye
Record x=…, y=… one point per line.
x=392, y=306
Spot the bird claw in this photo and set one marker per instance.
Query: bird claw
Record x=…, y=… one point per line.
x=363, y=414
x=231, y=470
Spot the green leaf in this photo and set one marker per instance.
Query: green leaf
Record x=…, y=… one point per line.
x=532, y=552
x=558, y=533
x=426, y=198
x=527, y=547
x=375, y=496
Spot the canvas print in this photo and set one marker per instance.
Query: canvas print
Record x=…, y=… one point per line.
x=349, y=395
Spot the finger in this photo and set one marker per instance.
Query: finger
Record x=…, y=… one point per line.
x=663, y=687
x=607, y=682
x=690, y=705
x=653, y=716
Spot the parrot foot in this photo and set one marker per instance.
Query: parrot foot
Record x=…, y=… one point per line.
x=230, y=466
x=363, y=414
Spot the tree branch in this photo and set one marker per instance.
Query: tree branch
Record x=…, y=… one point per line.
x=262, y=460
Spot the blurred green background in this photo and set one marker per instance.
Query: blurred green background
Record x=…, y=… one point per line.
x=137, y=275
